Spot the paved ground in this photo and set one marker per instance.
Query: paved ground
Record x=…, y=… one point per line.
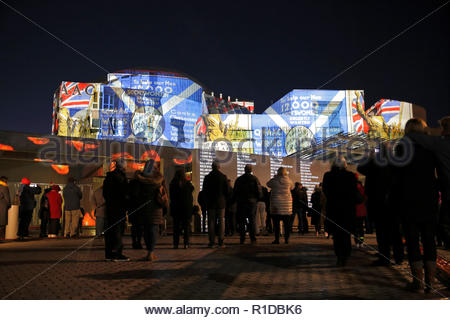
x=303, y=269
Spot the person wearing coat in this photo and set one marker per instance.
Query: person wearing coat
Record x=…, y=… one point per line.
x=137, y=229
x=419, y=196
x=55, y=208
x=27, y=205
x=115, y=193
x=281, y=203
x=246, y=192
x=5, y=204
x=181, y=207
x=316, y=212
x=201, y=199
x=299, y=207
x=72, y=196
x=339, y=186
x=152, y=200
x=216, y=190
x=361, y=213
x=44, y=213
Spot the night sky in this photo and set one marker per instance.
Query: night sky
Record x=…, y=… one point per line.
x=242, y=49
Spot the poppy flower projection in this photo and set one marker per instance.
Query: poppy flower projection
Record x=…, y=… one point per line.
x=5, y=147
x=150, y=155
x=39, y=141
x=181, y=162
x=87, y=219
x=61, y=169
x=80, y=145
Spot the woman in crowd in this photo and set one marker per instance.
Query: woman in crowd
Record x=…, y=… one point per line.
x=361, y=213
x=55, y=208
x=152, y=200
x=181, y=206
x=281, y=203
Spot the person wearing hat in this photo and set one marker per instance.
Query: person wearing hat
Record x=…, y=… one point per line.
x=5, y=204
x=27, y=205
x=115, y=193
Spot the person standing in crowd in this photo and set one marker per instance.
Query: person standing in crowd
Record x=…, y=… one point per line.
x=379, y=189
x=44, y=213
x=246, y=192
x=339, y=186
x=230, y=212
x=55, y=207
x=201, y=199
x=5, y=204
x=72, y=196
x=99, y=203
x=440, y=147
x=181, y=207
x=153, y=198
x=316, y=211
x=281, y=203
x=216, y=191
x=134, y=214
x=115, y=193
x=361, y=213
x=419, y=205
x=299, y=206
x=266, y=196
x=261, y=214
x=27, y=205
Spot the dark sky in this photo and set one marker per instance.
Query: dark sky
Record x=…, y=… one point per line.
x=242, y=49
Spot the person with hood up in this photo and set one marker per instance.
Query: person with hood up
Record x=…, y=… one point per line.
x=55, y=208
x=115, y=193
x=181, y=207
x=339, y=186
x=44, y=213
x=153, y=199
x=27, y=205
x=72, y=196
x=281, y=203
x=5, y=204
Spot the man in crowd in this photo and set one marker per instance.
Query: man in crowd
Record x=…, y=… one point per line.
x=299, y=207
x=72, y=196
x=5, y=204
x=27, y=205
x=215, y=188
x=115, y=192
x=246, y=192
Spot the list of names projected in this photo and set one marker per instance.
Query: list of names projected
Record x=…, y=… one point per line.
x=206, y=159
x=307, y=179
x=242, y=160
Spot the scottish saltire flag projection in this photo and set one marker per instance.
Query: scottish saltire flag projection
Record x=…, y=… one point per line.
x=171, y=109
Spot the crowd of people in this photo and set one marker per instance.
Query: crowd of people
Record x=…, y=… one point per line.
x=407, y=199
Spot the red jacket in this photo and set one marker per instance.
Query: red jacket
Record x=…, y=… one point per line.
x=361, y=210
x=55, y=202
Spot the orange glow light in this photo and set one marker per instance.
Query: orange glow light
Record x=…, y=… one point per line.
x=136, y=166
x=90, y=146
x=87, y=220
x=123, y=155
x=62, y=169
x=43, y=160
x=38, y=141
x=76, y=144
x=5, y=147
x=183, y=161
x=151, y=154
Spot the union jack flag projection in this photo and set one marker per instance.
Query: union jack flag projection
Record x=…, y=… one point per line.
x=385, y=108
x=75, y=94
x=359, y=124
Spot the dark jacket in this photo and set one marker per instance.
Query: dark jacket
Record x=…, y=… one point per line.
x=151, y=211
x=44, y=206
x=299, y=199
x=134, y=188
x=181, y=199
x=115, y=192
x=440, y=147
x=215, y=187
x=72, y=196
x=418, y=184
x=339, y=186
x=201, y=199
x=27, y=200
x=247, y=189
